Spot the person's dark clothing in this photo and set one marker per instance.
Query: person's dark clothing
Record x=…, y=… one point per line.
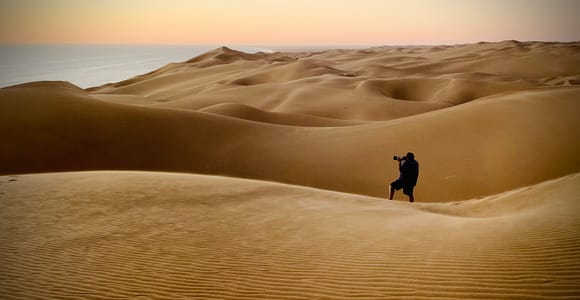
x=409, y=172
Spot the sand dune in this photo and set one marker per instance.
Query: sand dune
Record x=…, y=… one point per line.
x=494, y=126
x=245, y=112
x=465, y=150
x=108, y=235
x=287, y=82
x=447, y=90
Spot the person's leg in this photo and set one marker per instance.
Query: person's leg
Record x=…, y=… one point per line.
x=408, y=190
x=391, y=192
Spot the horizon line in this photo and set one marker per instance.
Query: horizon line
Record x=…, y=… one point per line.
x=284, y=45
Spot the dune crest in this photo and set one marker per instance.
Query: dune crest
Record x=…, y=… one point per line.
x=223, y=55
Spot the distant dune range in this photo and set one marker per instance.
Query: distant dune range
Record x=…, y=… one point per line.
x=494, y=126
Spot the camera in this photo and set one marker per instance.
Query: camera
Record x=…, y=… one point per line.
x=399, y=157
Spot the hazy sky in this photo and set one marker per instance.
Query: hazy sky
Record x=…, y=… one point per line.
x=263, y=22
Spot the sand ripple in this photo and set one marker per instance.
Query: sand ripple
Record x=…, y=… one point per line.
x=131, y=235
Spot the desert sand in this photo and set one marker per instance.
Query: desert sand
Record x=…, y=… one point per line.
x=264, y=176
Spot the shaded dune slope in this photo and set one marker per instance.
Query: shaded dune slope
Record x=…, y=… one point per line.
x=191, y=236
x=464, y=150
x=450, y=90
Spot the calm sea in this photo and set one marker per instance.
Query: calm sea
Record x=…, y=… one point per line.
x=91, y=65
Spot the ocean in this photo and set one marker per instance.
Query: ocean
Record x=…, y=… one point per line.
x=92, y=65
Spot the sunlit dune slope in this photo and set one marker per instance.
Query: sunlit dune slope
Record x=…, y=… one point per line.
x=139, y=235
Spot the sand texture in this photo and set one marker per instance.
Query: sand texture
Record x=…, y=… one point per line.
x=264, y=176
x=138, y=235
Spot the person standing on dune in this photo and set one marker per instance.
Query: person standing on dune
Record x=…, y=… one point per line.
x=408, y=174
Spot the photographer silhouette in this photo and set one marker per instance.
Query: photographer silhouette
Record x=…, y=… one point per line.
x=408, y=174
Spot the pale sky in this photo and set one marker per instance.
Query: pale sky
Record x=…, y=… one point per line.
x=274, y=22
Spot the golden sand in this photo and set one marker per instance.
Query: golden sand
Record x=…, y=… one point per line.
x=494, y=126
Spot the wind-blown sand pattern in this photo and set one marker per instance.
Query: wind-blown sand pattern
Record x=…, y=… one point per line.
x=494, y=126
x=111, y=235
